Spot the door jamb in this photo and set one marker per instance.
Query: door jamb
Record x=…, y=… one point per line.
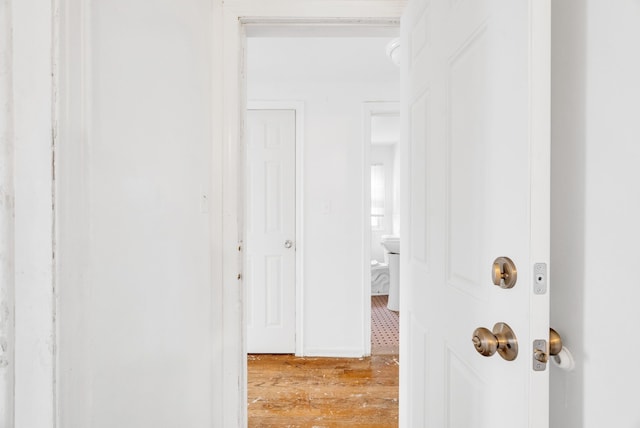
x=231, y=373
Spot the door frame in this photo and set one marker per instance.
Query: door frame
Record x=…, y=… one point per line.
x=298, y=108
x=369, y=110
x=235, y=16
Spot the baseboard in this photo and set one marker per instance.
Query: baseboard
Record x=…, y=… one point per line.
x=335, y=353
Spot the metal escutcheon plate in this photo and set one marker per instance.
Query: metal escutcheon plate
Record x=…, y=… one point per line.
x=504, y=273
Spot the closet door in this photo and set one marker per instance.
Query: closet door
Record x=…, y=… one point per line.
x=270, y=262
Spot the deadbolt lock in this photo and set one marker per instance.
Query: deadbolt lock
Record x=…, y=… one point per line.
x=502, y=340
x=504, y=272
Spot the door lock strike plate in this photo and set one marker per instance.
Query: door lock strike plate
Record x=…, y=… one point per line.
x=540, y=278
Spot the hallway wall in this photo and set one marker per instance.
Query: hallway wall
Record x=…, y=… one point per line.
x=135, y=298
x=332, y=218
x=595, y=211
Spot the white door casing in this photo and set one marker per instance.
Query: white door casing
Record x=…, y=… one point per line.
x=230, y=378
x=475, y=113
x=270, y=261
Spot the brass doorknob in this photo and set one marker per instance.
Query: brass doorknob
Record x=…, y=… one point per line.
x=504, y=272
x=502, y=339
x=555, y=346
x=555, y=342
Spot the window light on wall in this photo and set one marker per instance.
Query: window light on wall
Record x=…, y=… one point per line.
x=377, y=196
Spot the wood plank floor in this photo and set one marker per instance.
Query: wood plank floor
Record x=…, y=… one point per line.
x=285, y=391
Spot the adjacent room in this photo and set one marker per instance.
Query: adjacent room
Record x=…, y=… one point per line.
x=322, y=133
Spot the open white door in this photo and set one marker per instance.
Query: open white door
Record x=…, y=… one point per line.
x=271, y=226
x=476, y=143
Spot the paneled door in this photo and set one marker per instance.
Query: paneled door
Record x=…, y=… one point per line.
x=270, y=231
x=476, y=112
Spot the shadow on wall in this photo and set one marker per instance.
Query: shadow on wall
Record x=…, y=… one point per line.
x=568, y=196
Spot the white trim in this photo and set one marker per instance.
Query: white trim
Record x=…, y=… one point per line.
x=298, y=107
x=218, y=280
x=540, y=204
x=369, y=109
x=319, y=29
x=73, y=132
x=334, y=352
x=32, y=38
x=7, y=220
x=233, y=350
x=366, y=226
x=233, y=358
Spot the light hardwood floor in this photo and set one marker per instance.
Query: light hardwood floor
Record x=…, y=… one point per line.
x=285, y=391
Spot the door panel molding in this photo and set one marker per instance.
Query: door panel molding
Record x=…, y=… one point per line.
x=419, y=155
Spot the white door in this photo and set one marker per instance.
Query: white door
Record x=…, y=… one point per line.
x=476, y=121
x=270, y=238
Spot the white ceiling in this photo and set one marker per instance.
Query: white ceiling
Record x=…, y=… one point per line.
x=320, y=59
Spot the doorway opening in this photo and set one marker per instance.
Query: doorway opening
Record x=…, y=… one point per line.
x=382, y=132
x=330, y=76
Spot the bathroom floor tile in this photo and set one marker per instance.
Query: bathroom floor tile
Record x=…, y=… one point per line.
x=385, y=328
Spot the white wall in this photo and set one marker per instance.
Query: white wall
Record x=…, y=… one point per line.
x=385, y=130
x=595, y=211
x=333, y=210
x=135, y=319
x=333, y=205
x=7, y=219
x=384, y=155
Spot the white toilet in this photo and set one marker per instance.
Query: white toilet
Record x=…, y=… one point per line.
x=391, y=244
x=379, y=278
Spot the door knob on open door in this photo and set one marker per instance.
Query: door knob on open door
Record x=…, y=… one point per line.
x=555, y=342
x=288, y=244
x=502, y=339
x=504, y=272
x=555, y=346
